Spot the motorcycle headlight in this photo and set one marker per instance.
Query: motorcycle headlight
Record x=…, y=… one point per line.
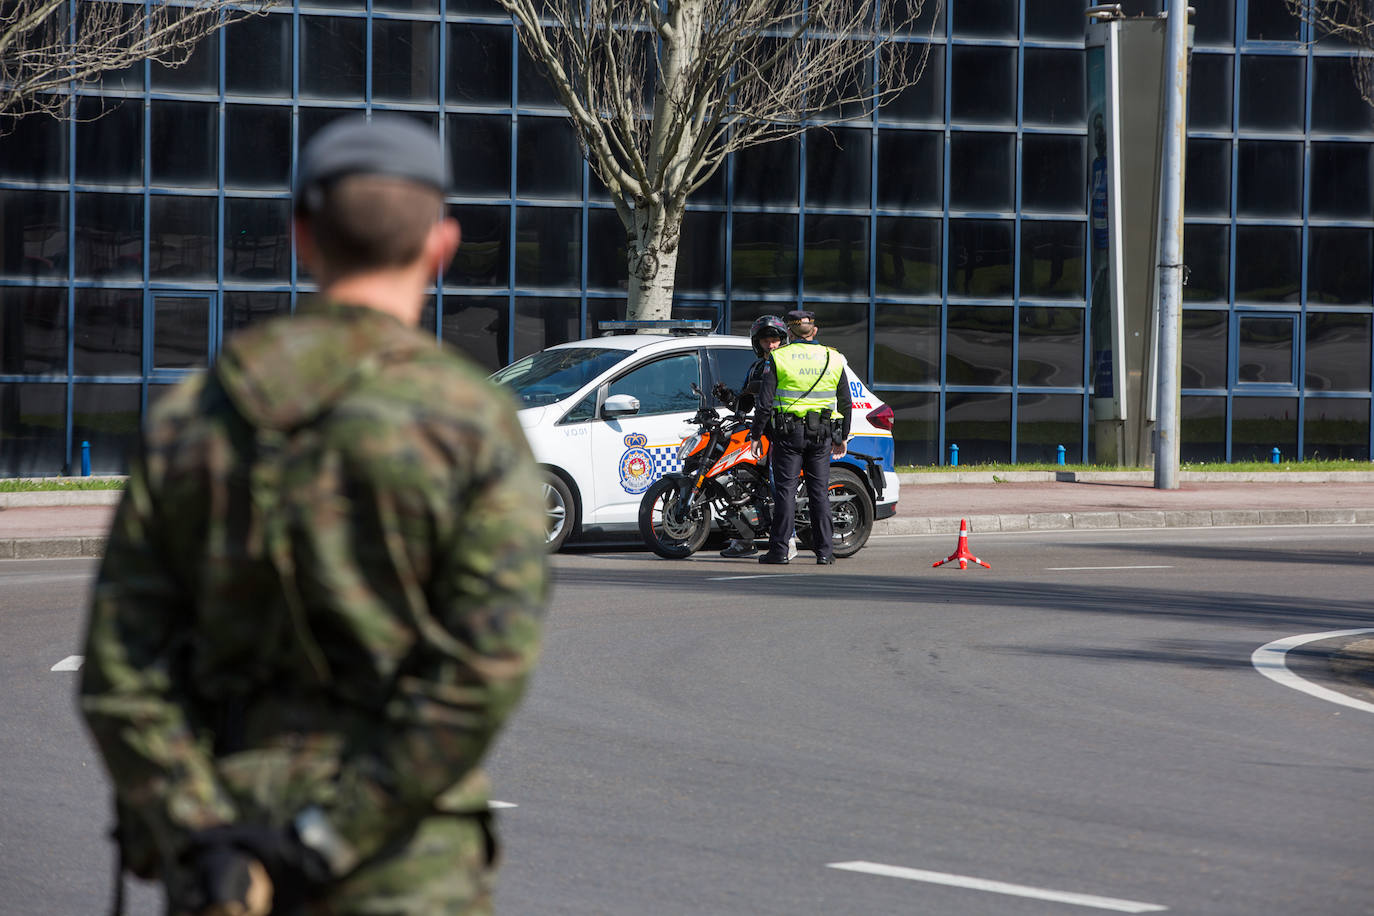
x=688, y=446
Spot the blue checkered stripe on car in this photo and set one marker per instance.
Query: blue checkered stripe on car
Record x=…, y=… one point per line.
x=663, y=460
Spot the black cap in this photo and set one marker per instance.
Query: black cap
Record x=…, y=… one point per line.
x=797, y=315
x=390, y=145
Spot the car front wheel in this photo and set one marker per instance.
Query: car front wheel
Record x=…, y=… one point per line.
x=560, y=511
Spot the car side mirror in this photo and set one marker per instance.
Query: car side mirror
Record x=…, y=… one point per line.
x=620, y=405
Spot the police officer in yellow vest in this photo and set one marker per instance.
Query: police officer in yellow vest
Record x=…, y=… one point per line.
x=803, y=405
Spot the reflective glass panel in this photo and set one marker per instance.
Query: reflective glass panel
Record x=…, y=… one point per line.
x=838, y=166
x=480, y=149
x=541, y=323
x=1259, y=425
x=765, y=252
x=1339, y=266
x=980, y=258
x=1054, y=20
x=916, y=432
x=479, y=326
x=476, y=7
x=983, y=88
x=1051, y=347
x=836, y=255
x=1337, y=352
x=548, y=163
x=483, y=259
x=257, y=239
x=34, y=149
x=767, y=174
x=1264, y=349
x=108, y=335
x=909, y=259
x=1206, y=258
x=1273, y=92
x=312, y=120
x=1052, y=259
x=33, y=327
x=1337, y=107
x=986, y=18
x=533, y=89
x=199, y=72
x=257, y=56
x=181, y=329
x=1046, y=421
x=33, y=233
x=109, y=141
x=1269, y=178
x=606, y=267
x=980, y=424
x=978, y=345
x=109, y=235
x=1268, y=263
x=1053, y=92
x=1209, y=92
x=479, y=64
x=910, y=169
x=185, y=144
x=1335, y=428
x=1341, y=185
x=548, y=247
x=1215, y=21
x=1202, y=429
x=332, y=57
x=906, y=345
x=257, y=146
x=181, y=237
x=924, y=99
x=701, y=253
x=34, y=418
x=915, y=17
x=1270, y=20
x=245, y=309
x=1203, y=363
x=1052, y=179
x=982, y=171
x=405, y=61
x=106, y=416
x=1207, y=189
x=844, y=326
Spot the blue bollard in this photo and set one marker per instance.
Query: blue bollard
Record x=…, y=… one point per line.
x=953, y=455
x=1060, y=454
x=1274, y=456
x=85, y=458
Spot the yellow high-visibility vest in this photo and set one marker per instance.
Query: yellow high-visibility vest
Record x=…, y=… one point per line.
x=808, y=375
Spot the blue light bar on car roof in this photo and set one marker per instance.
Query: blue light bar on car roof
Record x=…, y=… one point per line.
x=678, y=326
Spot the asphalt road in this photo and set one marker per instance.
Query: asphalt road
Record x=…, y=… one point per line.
x=1079, y=729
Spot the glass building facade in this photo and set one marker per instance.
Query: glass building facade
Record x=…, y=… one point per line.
x=940, y=240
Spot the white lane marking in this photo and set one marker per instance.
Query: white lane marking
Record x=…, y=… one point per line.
x=70, y=663
x=999, y=887
x=1270, y=661
x=733, y=578
x=1069, y=568
x=500, y=804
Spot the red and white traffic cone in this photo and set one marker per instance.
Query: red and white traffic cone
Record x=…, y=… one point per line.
x=961, y=553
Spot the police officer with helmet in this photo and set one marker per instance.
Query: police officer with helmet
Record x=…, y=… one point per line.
x=767, y=333
x=803, y=406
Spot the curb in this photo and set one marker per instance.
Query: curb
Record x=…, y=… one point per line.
x=57, y=548
x=1127, y=519
x=931, y=478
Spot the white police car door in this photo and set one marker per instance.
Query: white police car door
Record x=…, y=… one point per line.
x=630, y=453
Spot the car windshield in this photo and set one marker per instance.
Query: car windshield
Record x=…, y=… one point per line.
x=550, y=376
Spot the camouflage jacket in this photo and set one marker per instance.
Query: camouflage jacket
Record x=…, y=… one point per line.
x=323, y=587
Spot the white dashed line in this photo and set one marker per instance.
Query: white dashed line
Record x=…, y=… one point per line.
x=1270, y=661
x=70, y=663
x=1070, y=568
x=734, y=578
x=999, y=887
x=500, y=804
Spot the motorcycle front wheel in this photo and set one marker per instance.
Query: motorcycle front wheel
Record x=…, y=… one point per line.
x=665, y=524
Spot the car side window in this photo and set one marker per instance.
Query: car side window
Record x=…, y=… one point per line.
x=729, y=365
x=662, y=386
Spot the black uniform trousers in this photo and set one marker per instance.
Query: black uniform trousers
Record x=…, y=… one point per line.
x=790, y=454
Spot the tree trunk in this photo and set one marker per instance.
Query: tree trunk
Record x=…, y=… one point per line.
x=651, y=252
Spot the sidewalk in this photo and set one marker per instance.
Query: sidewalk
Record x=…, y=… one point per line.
x=74, y=524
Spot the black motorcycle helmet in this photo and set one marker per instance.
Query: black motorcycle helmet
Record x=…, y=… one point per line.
x=766, y=326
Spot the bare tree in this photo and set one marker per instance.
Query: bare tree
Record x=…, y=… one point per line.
x=1347, y=21
x=49, y=47
x=661, y=91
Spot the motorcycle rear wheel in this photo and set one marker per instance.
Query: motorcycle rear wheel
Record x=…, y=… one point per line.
x=669, y=531
x=851, y=514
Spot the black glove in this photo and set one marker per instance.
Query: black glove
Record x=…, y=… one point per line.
x=293, y=869
x=224, y=882
x=724, y=393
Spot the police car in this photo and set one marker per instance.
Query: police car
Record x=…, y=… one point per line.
x=605, y=417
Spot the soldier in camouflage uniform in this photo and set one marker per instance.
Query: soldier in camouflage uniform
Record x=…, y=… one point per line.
x=323, y=588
